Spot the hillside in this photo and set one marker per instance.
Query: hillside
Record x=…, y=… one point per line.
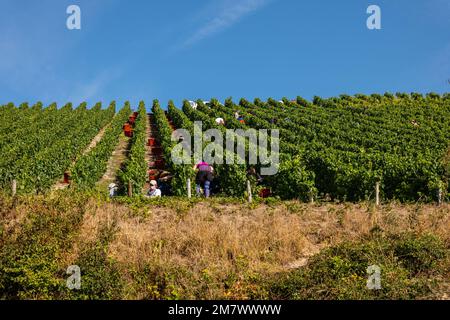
x=336, y=148
x=220, y=249
x=360, y=183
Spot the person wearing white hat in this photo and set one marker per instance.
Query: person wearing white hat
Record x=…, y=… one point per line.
x=112, y=189
x=154, y=191
x=220, y=121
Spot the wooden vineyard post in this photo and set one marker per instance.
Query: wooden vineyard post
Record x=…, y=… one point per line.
x=189, y=188
x=14, y=187
x=249, y=191
x=130, y=189
x=66, y=177
x=377, y=193
x=311, y=197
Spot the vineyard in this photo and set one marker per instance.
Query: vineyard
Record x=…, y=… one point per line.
x=329, y=149
x=309, y=231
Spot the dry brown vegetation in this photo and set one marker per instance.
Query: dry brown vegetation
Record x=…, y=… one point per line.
x=212, y=239
x=207, y=250
x=214, y=232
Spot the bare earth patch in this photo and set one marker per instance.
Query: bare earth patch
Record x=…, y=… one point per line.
x=115, y=162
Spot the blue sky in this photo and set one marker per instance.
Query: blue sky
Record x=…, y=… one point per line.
x=146, y=49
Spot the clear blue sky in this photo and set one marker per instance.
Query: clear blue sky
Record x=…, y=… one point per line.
x=146, y=49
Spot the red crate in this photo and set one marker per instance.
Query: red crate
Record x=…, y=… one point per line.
x=159, y=164
x=129, y=134
x=151, y=142
x=66, y=177
x=127, y=130
x=156, y=150
x=265, y=193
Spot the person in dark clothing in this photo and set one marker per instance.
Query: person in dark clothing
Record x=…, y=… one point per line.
x=164, y=183
x=214, y=187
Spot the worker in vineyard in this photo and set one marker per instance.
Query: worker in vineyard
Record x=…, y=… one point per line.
x=204, y=177
x=236, y=115
x=164, y=183
x=112, y=189
x=154, y=191
x=252, y=174
x=214, y=187
x=220, y=121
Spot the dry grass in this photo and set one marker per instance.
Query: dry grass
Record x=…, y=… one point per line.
x=210, y=250
x=223, y=239
x=203, y=238
x=98, y=215
x=11, y=216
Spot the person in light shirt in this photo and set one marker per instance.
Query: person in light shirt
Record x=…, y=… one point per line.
x=220, y=121
x=154, y=191
x=112, y=189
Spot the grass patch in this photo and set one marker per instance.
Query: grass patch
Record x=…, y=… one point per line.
x=408, y=263
x=29, y=266
x=218, y=248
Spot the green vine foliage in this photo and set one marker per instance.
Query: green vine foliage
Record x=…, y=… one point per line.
x=89, y=168
x=45, y=144
x=180, y=172
x=135, y=167
x=352, y=142
x=232, y=177
x=340, y=146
